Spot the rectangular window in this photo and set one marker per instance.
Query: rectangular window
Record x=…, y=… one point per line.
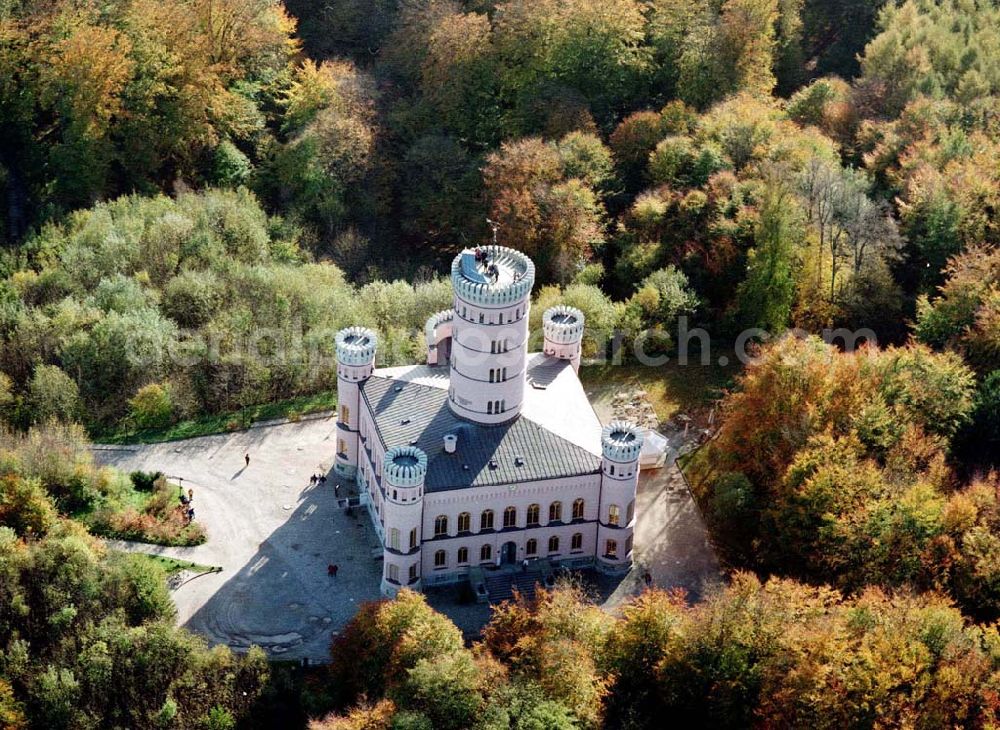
x=611, y=548
x=532, y=519
x=413, y=538
x=463, y=555
x=394, y=538
x=614, y=515
x=577, y=542
x=345, y=414
x=413, y=572
x=394, y=573
x=440, y=560
x=341, y=446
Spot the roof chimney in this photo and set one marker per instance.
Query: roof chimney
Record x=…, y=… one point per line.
x=450, y=443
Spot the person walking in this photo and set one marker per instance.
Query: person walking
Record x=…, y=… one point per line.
x=246, y=457
x=322, y=480
x=335, y=569
x=312, y=480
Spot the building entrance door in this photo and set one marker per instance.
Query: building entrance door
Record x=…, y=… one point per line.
x=508, y=553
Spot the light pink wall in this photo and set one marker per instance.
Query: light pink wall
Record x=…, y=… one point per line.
x=475, y=500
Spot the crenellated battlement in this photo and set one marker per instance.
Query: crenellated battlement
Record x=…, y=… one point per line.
x=356, y=346
x=498, y=277
x=621, y=441
x=405, y=466
x=563, y=325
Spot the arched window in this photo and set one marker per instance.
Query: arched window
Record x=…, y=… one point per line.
x=440, y=526
x=578, y=506
x=440, y=559
x=485, y=552
x=533, y=511
x=486, y=520
x=576, y=543
x=614, y=515
x=463, y=555
x=555, y=512
x=394, y=538
x=413, y=538
x=554, y=544
x=611, y=548
x=531, y=547
x=630, y=512
x=510, y=517
x=464, y=522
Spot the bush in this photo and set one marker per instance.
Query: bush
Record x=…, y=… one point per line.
x=152, y=406
x=144, y=481
x=52, y=394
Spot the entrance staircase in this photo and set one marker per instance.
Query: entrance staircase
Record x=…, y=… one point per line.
x=500, y=584
x=500, y=587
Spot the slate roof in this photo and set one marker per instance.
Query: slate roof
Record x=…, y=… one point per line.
x=413, y=413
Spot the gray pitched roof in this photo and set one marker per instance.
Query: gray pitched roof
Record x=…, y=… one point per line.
x=413, y=413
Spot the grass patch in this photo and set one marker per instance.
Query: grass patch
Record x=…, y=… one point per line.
x=670, y=388
x=155, y=516
x=292, y=409
x=170, y=566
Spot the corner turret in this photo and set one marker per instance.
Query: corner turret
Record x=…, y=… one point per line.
x=404, y=472
x=621, y=444
x=355, y=362
x=563, y=330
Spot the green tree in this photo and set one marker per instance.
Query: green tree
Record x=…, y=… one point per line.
x=152, y=407
x=52, y=394
x=765, y=298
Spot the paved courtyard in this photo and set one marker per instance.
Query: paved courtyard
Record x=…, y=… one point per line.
x=274, y=536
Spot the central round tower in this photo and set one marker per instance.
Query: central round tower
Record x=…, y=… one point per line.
x=490, y=333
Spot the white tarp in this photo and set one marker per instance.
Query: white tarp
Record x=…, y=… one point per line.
x=654, y=450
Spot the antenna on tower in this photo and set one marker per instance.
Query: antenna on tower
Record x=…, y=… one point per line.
x=495, y=226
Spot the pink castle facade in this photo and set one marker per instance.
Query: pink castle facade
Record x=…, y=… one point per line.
x=488, y=455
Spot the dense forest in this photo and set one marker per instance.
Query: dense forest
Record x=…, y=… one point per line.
x=196, y=194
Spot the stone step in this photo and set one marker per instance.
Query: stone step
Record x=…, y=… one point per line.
x=501, y=587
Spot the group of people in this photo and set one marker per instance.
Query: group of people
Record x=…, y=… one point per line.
x=317, y=479
x=187, y=504
x=483, y=258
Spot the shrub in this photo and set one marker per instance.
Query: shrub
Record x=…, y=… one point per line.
x=144, y=481
x=152, y=406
